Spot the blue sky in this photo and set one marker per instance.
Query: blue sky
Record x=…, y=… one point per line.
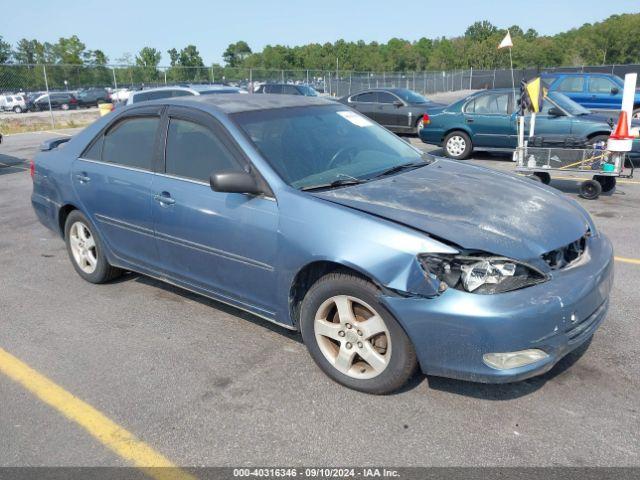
x=121, y=26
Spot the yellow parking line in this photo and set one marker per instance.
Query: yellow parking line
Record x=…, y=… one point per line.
x=633, y=261
x=111, y=435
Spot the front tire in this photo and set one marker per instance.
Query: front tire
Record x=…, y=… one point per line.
x=353, y=338
x=17, y=109
x=590, y=189
x=85, y=250
x=457, y=145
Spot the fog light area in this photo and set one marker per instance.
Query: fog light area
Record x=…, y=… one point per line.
x=504, y=361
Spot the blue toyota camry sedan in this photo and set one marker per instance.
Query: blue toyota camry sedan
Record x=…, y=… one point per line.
x=308, y=214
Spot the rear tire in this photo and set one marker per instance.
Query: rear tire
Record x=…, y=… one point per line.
x=64, y=106
x=17, y=109
x=590, y=189
x=353, y=338
x=457, y=145
x=86, y=250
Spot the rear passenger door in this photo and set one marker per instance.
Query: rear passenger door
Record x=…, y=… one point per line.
x=113, y=179
x=490, y=119
x=223, y=244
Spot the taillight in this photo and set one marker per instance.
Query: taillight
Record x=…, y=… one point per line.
x=425, y=119
x=32, y=168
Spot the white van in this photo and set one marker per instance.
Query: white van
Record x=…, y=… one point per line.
x=13, y=102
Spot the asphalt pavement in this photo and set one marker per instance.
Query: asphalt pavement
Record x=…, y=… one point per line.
x=205, y=384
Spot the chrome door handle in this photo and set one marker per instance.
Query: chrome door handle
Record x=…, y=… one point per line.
x=164, y=199
x=82, y=178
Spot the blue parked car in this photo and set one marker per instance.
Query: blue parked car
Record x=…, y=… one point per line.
x=308, y=214
x=487, y=120
x=594, y=91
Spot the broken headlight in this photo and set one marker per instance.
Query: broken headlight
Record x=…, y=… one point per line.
x=479, y=273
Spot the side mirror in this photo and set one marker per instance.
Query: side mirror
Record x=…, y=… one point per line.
x=235, y=182
x=398, y=103
x=615, y=91
x=556, y=112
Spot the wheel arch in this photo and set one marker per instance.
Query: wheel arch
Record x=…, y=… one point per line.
x=457, y=128
x=310, y=274
x=63, y=213
x=598, y=133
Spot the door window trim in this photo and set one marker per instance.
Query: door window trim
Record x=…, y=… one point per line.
x=217, y=128
x=144, y=111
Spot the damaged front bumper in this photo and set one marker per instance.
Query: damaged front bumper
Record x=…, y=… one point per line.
x=453, y=331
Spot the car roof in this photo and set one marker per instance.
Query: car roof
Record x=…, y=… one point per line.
x=575, y=74
x=239, y=102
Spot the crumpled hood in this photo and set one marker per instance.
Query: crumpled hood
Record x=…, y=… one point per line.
x=473, y=207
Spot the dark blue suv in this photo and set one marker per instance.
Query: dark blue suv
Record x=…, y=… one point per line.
x=595, y=91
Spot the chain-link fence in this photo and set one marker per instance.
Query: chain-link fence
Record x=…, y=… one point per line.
x=30, y=80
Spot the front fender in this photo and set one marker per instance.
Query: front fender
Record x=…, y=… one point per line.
x=314, y=230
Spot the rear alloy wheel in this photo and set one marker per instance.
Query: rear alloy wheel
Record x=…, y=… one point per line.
x=17, y=109
x=353, y=338
x=590, y=189
x=457, y=145
x=64, y=106
x=85, y=250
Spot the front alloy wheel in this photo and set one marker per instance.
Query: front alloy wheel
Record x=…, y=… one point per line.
x=353, y=337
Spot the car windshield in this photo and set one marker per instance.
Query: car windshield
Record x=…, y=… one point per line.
x=567, y=104
x=307, y=90
x=410, y=96
x=314, y=146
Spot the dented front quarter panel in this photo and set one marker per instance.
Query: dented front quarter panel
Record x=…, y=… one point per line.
x=314, y=230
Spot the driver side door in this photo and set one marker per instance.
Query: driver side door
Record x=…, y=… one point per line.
x=223, y=244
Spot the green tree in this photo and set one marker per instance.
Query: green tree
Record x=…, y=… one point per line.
x=148, y=58
x=480, y=31
x=236, y=53
x=5, y=51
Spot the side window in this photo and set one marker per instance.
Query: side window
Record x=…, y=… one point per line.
x=384, y=97
x=368, y=97
x=492, y=104
x=600, y=85
x=290, y=90
x=182, y=93
x=131, y=142
x=470, y=107
x=571, y=84
x=140, y=97
x=95, y=149
x=194, y=151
